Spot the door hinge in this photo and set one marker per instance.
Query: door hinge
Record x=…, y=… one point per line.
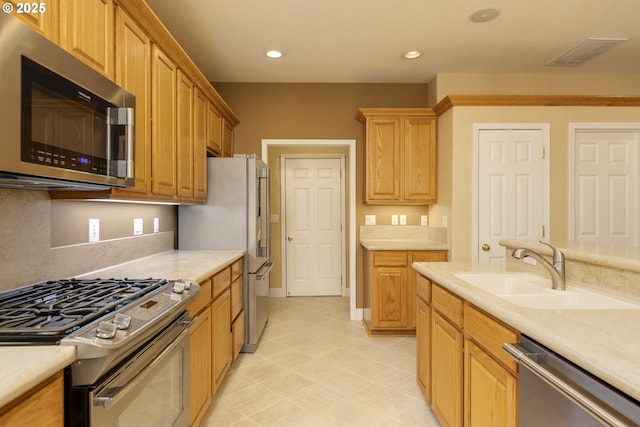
x=543, y=153
x=542, y=231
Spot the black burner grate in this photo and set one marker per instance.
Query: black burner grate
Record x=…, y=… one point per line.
x=48, y=311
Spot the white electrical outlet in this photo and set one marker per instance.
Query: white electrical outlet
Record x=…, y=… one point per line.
x=94, y=229
x=403, y=220
x=445, y=221
x=424, y=220
x=156, y=225
x=394, y=219
x=138, y=226
x=369, y=220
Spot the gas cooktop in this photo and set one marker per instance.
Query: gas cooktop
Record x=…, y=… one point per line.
x=48, y=311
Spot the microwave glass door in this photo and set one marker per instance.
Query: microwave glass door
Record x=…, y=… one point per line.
x=67, y=127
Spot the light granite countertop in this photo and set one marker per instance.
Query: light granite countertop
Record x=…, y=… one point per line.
x=603, y=342
x=403, y=238
x=24, y=367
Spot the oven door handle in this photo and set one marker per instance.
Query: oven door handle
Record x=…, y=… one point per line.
x=526, y=358
x=108, y=402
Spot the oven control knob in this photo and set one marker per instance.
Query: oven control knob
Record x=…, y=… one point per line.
x=106, y=330
x=178, y=287
x=122, y=321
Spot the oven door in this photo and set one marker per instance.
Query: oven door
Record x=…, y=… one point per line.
x=151, y=388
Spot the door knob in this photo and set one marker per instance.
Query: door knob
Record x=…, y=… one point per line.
x=290, y=238
x=486, y=247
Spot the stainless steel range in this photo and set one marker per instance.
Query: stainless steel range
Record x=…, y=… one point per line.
x=132, y=341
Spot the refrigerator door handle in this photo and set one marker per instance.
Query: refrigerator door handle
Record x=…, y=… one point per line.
x=263, y=271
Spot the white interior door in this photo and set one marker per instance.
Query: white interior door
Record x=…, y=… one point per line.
x=313, y=226
x=510, y=193
x=605, y=186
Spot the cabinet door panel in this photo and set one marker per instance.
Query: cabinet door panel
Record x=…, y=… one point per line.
x=199, y=145
x=420, y=160
x=46, y=23
x=384, y=152
x=446, y=371
x=200, y=363
x=87, y=32
x=389, y=305
x=490, y=395
x=222, y=338
x=423, y=348
x=163, y=144
x=184, y=143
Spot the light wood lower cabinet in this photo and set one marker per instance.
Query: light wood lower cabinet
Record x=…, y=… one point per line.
x=461, y=368
x=42, y=406
x=390, y=290
x=217, y=335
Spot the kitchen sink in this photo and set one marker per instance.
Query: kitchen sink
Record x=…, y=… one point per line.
x=531, y=291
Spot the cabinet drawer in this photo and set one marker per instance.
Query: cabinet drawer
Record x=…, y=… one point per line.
x=221, y=281
x=390, y=259
x=236, y=298
x=237, y=331
x=236, y=269
x=447, y=304
x=202, y=299
x=423, y=288
x=490, y=334
x=429, y=256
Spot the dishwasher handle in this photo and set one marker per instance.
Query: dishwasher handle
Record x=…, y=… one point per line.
x=593, y=407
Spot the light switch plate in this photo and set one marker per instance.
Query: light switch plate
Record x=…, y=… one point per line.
x=370, y=220
x=94, y=230
x=424, y=220
x=156, y=225
x=138, y=226
x=394, y=219
x=403, y=220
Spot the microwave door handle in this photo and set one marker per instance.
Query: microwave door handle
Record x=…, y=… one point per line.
x=123, y=117
x=596, y=410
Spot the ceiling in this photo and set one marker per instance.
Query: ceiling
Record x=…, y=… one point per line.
x=362, y=41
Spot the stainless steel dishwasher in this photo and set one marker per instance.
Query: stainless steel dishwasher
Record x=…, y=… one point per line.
x=556, y=393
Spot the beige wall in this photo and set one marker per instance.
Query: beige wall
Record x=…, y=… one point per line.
x=455, y=142
x=562, y=83
x=318, y=111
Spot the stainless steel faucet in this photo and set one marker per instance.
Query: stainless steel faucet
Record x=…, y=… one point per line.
x=556, y=269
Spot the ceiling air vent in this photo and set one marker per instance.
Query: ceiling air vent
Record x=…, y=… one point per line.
x=585, y=50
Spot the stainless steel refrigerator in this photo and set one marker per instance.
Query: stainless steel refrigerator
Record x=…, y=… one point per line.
x=236, y=216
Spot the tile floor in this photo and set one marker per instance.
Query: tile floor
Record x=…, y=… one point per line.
x=315, y=367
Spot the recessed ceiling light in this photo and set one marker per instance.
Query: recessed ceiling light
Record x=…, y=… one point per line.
x=484, y=15
x=274, y=54
x=412, y=54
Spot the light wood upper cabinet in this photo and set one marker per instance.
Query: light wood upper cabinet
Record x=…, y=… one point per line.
x=44, y=16
x=133, y=72
x=184, y=153
x=163, y=142
x=227, y=139
x=87, y=31
x=214, y=120
x=400, y=156
x=199, y=145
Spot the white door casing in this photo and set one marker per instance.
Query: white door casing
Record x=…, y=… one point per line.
x=604, y=183
x=313, y=224
x=511, y=197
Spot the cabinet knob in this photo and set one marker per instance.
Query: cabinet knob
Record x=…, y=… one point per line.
x=290, y=238
x=486, y=247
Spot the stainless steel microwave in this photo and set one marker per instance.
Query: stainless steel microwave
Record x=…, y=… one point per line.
x=63, y=125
